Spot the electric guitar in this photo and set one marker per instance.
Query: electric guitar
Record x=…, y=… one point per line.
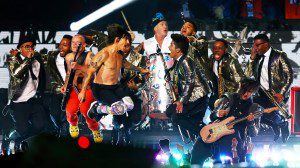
x=216, y=130
x=66, y=96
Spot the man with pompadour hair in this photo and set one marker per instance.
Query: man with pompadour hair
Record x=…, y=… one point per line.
x=190, y=89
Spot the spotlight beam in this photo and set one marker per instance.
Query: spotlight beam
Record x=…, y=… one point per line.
x=103, y=11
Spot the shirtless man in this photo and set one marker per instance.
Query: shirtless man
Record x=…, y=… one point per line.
x=73, y=104
x=106, y=65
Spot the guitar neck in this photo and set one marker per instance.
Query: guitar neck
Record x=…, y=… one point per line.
x=236, y=121
x=71, y=78
x=72, y=73
x=256, y=115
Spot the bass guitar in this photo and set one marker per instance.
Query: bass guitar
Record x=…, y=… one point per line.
x=66, y=95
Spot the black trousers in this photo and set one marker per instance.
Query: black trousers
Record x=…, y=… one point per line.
x=6, y=122
x=271, y=119
x=52, y=103
x=201, y=150
x=191, y=117
x=6, y=126
x=109, y=94
x=30, y=118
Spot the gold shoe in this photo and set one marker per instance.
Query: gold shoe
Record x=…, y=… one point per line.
x=98, y=138
x=74, y=131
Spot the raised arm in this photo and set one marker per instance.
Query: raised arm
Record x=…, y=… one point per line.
x=17, y=69
x=128, y=65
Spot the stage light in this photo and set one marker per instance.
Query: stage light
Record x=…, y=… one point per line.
x=177, y=156
x=297, y=148
x=226, y=159
x=162, y=157
x=83, y=142
x=209, y=163
x=165, y=156
x=103, y=11
x=158, y=157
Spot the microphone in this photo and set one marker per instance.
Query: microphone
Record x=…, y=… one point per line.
x=247, y=51
x=120, y=52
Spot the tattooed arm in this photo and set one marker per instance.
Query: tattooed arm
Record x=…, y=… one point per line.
x=128, y=65
x=94, y=66
x=90, y=58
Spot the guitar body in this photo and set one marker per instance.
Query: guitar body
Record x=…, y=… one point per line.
x=215, y=131
x=66, y=96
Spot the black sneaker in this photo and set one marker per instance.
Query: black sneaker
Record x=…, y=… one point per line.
x=276, y=130
x=285, y=133
x=92, y=112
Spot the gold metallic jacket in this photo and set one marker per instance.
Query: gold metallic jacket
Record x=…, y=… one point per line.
x=18, y=72
x=198, y=51
x=53, y=76
x=279, y=70
x=232, y=73
x=191, y=84
x=201, y=45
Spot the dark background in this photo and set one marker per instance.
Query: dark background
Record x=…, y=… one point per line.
x=59, y=14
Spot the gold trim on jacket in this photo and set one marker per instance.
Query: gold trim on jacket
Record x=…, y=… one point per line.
x=190, y=81
x=280, y=71
x=18, y=73
x=232, y=73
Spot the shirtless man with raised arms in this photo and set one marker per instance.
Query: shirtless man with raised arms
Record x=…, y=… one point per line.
x=106, y=66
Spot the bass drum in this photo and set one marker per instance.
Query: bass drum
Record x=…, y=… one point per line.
x=156, y=95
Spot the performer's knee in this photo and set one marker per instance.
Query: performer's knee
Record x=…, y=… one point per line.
x=128, y=102
x=118, y=108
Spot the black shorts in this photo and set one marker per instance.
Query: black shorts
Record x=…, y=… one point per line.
x=108, y=94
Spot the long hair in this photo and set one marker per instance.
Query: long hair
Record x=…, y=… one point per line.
x=249, y=84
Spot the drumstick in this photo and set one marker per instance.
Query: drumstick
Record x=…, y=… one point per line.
x=124, y=17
